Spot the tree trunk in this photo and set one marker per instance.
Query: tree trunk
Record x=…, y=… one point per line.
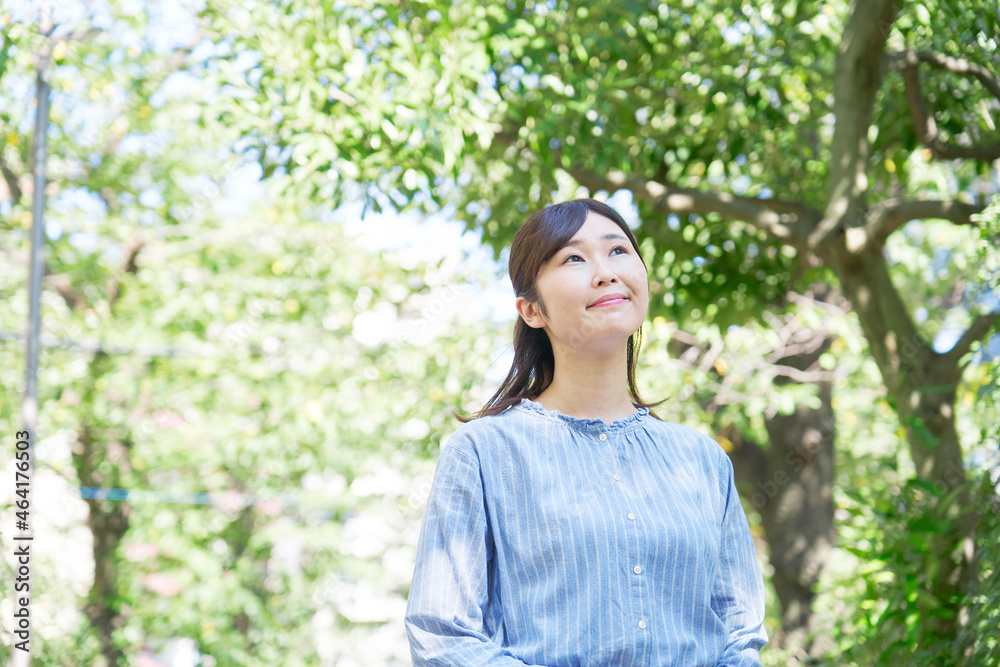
x=919, y=381
x=791, y=485
x=107, y=519
x=921, y=385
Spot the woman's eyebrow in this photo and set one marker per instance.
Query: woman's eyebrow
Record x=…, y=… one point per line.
x=609, y=235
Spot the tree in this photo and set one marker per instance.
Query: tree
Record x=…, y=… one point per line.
x=768, y=149
x=222, y=382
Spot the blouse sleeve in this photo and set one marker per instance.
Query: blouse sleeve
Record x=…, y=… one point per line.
x=449, y=592
x=738, y=591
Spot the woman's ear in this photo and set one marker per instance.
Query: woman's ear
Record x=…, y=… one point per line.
x=529, y=312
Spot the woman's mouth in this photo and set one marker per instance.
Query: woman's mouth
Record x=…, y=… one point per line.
x=611, y=302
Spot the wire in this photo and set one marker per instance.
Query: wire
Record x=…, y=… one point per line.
x=225, y=498
x=148, y=351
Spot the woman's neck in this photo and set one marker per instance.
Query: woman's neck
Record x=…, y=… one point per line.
x=590, y=387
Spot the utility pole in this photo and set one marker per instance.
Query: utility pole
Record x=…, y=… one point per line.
x=29, y=403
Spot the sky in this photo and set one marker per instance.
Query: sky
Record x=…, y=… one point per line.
x=430, y=239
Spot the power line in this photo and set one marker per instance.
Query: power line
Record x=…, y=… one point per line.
x=208, y=350
x=223, y=498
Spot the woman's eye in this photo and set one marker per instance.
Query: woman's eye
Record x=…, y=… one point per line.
x=617, y=247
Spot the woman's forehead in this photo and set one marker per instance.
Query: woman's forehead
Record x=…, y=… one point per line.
x=598, y=222
x=597, y=227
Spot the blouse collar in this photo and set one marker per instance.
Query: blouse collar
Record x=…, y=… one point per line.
x=587, y=424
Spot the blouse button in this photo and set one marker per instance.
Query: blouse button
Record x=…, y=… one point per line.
x=603, y=437
x=631, y=517
x=637, y=569
x=642, y=624
x=617, y=477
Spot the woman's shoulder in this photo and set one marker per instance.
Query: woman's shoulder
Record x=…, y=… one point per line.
x=689, y=434
x=688, y=437
x=480, y=431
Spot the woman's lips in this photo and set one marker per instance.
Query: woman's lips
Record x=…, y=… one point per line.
x=609, y=303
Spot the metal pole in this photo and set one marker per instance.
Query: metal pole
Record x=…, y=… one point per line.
x=29, y=403
x=37, y=244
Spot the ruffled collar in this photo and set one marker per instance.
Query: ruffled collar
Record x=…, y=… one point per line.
x=592, y=424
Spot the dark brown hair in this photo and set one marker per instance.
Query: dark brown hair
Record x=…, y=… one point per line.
x=533, y=368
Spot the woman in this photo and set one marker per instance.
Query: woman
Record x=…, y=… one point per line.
x=567, y=524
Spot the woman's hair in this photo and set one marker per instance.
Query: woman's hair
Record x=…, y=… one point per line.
x=533, y=368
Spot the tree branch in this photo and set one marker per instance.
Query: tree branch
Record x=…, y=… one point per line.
x=815, y=341
x=129, y=265
x=81, y=35
x=891, y=214
x=13, y=186
x=62, y=284
x=805, y=377
x=976, y=331
x=907, y=59
x=782, y=220
x=923, y=122
x=686, y=348
x=856, y=80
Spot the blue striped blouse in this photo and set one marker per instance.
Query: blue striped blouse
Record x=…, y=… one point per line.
x=553, y=540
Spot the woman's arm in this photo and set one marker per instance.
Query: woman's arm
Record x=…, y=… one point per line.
x=449, y=594
x=738, y=593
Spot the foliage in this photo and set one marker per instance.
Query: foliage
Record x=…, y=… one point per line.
x=900, y=567
x=977, y=641
x=298, y=386
x=269, y=392
x=296, y=423
x=978, y=638
x=894, y=602
x=723, y=93
x=544, y=89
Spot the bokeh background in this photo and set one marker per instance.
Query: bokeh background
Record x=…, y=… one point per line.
x=275, y=245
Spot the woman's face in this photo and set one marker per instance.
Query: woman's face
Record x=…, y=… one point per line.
x=588, y=268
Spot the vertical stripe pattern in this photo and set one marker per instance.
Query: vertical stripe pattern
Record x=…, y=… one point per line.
x=553, y=540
